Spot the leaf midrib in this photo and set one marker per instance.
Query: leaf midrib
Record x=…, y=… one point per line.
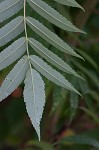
x=33, y=95
x=69, y=52
x=14, y=78
x=12, y=52
x=11, y=30
x=52, y=15
x=53, y=59
x=54, y=76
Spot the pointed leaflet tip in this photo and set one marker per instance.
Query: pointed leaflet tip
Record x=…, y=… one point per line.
x=38, y=132
x=81, y=7
x=78, y=76
x=71, y=3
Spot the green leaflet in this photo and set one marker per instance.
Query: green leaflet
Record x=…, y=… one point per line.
x=50, y=37
x=51, y=57
x=11, y=30
x=12, y=53
x=52, y=15
x=50, y=73
x=72, y=3
x=14, y=78
x=9, y=7
x=34, y=100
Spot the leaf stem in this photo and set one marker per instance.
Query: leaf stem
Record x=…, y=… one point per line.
x=28, y=55
x=25, y=27
x=26, y=36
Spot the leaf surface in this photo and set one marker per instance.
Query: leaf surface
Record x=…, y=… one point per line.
x=50, y=37
x=34, y=97
x=50, y=73
x=11, y=30
x=51, y=57
x=52, y=15
x=14, y=78
x=12, y=53
x=8, y=8
x=72, y=3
